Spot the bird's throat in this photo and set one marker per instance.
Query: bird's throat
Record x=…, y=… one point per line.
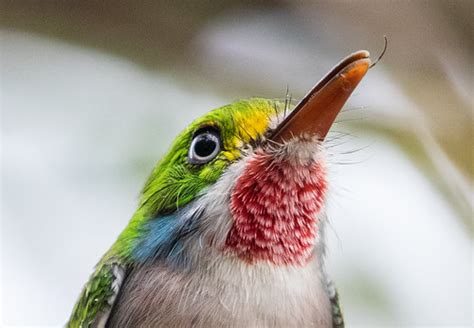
x=275, y=205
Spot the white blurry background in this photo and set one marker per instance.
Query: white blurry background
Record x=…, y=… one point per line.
x=92, y=94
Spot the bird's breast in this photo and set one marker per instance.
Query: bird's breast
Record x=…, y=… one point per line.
x=226, y=295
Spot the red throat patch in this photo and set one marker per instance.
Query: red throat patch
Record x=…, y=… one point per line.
x=274, y=205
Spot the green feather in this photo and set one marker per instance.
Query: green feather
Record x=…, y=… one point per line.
x=93, y=299
x=337, y=316
x=173, y=183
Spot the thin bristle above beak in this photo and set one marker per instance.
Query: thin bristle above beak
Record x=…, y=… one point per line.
x=315, y=114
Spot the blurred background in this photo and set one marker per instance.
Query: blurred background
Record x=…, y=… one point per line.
x=93, y=92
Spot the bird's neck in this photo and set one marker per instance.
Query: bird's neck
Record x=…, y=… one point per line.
x=275, y=206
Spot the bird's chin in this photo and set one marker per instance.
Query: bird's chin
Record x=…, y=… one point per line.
x=298, y=151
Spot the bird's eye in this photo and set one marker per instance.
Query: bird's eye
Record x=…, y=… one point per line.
x=204, y=147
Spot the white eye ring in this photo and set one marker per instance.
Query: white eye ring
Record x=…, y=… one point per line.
x=204, y=147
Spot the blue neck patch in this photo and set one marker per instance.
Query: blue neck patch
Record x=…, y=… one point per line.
x=163, y=237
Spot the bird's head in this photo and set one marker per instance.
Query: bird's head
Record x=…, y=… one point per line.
x=247, y=180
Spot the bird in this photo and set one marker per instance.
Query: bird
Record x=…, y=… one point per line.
x=229, y=228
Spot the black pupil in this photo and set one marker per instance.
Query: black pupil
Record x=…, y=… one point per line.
x=205, y=146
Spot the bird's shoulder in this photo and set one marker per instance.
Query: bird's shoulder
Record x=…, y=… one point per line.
x=336, y=309
x=93, y=307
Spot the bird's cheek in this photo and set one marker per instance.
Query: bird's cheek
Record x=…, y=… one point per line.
x=231, y=155
x=212, y=172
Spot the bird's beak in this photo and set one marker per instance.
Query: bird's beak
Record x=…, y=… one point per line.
x=315, y=114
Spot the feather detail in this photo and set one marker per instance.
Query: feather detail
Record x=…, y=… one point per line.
x=337, y=316
x=275, y=205
x=98, y=297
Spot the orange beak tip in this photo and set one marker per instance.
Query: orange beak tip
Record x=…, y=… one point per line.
x=316, y=113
